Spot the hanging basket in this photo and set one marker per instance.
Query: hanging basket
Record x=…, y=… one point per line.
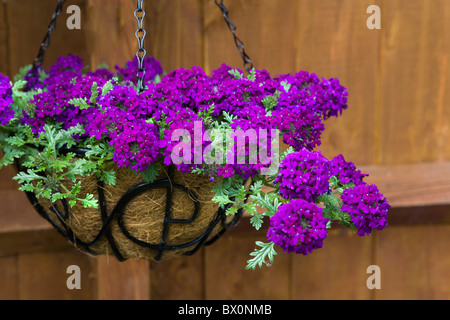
x=97, y=156
x=172, y=216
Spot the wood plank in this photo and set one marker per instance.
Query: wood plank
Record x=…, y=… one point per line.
x=174, y=33
x=32, y=241
x=25, y=38
x=334, y=42
x=414, y=262
x=4, y=45
x=129, y=280
x=109, y=32
x=17, y=213
x=412, y=185
x=420, y=215
x=415, y=73
x=417, y=193
x=9, y=289
x=227, y=279
x=336, y=271
x=43, y=276
x=180, y=278
x=266, y=27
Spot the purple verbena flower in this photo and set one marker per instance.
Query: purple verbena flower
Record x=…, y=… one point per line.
x=367, y=207
x=298, y=226
x=129, y=73
x=303, y=175
x=346, y=171
x=137, y=146
x=6, y=100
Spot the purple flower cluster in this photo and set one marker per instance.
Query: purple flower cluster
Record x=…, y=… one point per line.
x=294, y=104
x=137, y=146
x=306, y=175
x=368, y=208
x=53, y=105
x=298, y=226
x=6, y=100
x=346, y=171
x=72, y=67
x=130, y=71
x=303, y=175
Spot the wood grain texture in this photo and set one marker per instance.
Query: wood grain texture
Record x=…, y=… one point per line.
x=334, y=42
x=415, y=73
x=27, y=26
x=129, y=280
x=336, y=271
x=174, y=33
x=265, y=27
x=181, y=278
x=4, y=53
x=32, y=241
x=108, y=31
x=17, y=213
x=412, y=185
x=227, y=279
x=414, y=262
x=43, y=276
x=8, y=278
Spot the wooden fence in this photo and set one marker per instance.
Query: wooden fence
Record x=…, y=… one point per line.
x=396, y=129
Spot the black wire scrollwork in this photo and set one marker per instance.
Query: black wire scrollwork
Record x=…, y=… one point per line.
x=117, y=213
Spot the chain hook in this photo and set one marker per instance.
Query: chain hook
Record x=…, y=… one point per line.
x=140, y=34
x=248, y=64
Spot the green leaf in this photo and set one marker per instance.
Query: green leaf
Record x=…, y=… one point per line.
x=65, y=137
x=222, y=199
x=232, y=211
x=266, y=251
x=236, y=74
x=80, y=103
x=58, y=196
x=10, y=153
x=108, y=177
x=89, y=201
x=27, y=187
x=286, y=86
x=28, y=176
x=15, y=141
x=107, y=87
x=256, y=187
x=94, y=91
x=270, y=202
x=252, y=75
x=151, y=173
x=256, y=220
x=269, y=102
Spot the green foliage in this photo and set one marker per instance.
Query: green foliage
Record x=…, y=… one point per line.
x=252, y=75
x=260, y=255
x=236, y=73
x=151, y=173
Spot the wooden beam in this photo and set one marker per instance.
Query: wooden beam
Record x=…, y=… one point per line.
x=413, y=185
x=32, y=241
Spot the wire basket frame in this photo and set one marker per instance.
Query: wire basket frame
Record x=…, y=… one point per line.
x=117, y=213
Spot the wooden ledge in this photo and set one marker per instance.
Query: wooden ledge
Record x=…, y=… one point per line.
x=418, y=193
x=414, y=185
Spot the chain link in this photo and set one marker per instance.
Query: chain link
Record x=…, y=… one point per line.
x=248, y=64
x=140, y=36
x=39, y=60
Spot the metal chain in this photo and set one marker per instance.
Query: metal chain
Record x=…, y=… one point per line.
x=140, y=36
x=39, y=60
x=248, y=65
